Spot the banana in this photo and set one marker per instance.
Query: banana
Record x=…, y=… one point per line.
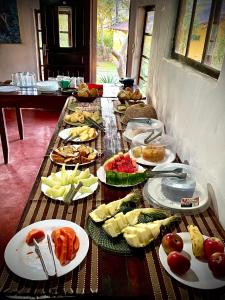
x=196, y=240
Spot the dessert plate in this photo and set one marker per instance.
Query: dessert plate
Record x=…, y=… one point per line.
x=169, y=157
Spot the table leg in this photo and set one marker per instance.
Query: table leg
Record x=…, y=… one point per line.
x=4, y=138
x=19, y=122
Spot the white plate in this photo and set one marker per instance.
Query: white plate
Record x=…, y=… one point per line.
x=73, y=165
x=169, y=157
x=47, y=86
x=102, y=176
x=78, y=195
x=8, y=89
x=199, y=275
x=130, y=133
x=63, y=134
x=28, y=266
x=153, y=187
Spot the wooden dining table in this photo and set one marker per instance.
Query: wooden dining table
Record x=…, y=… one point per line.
x=104, y=274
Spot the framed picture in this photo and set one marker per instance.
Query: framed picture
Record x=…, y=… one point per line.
x=9, y=23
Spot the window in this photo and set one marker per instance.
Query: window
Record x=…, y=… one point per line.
x=200, y=38
x=39, y=43
x=146, y=47
x=65, y=26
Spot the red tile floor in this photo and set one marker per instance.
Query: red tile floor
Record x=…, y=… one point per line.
x=17, y=177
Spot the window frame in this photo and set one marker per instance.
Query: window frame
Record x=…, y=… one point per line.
x=200, y=66
x=147, y=9
x=37, y=16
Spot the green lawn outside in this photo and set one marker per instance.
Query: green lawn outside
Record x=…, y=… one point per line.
x=107, y=70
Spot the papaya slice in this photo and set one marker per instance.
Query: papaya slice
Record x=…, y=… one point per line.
x=76, y=245
x=71, y=235
x=66, y=244
x=63, y=254
x=36, y=234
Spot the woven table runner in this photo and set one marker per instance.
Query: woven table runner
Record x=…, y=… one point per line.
x=88, y=277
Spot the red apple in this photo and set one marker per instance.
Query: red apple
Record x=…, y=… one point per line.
x=212, y=245
x=172, y=242
x=216, y=264
x=178, y=262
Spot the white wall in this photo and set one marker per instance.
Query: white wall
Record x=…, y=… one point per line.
x=21, y=57
x=191, y=104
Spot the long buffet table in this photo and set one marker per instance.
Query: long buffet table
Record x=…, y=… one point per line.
x=103, y=274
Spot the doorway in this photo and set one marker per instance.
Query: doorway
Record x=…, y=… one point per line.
x=65, y=38
x=111, y=41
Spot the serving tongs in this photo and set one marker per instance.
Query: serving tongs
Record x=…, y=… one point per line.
x=141, y=120
x=38, y=251
x=52, y=254
x=94, y=124
x=68, y=138
x=72, y=192
x=167, y=173
x=151, y=138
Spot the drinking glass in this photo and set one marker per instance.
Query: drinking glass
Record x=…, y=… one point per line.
x=15, y=79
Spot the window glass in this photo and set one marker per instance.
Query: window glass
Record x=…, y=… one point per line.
x=216, y=48
x=149, y=22
x=40, y=39
x=39, y=21
x=147, y=45
x=65, y=26
x=41, y=56
x=142, y=85
x=199, y=29
x=63, y=22
x=183, y=27
x=144, y=68
x=64, y=41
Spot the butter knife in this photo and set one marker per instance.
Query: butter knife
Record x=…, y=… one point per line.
x=38, y=251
